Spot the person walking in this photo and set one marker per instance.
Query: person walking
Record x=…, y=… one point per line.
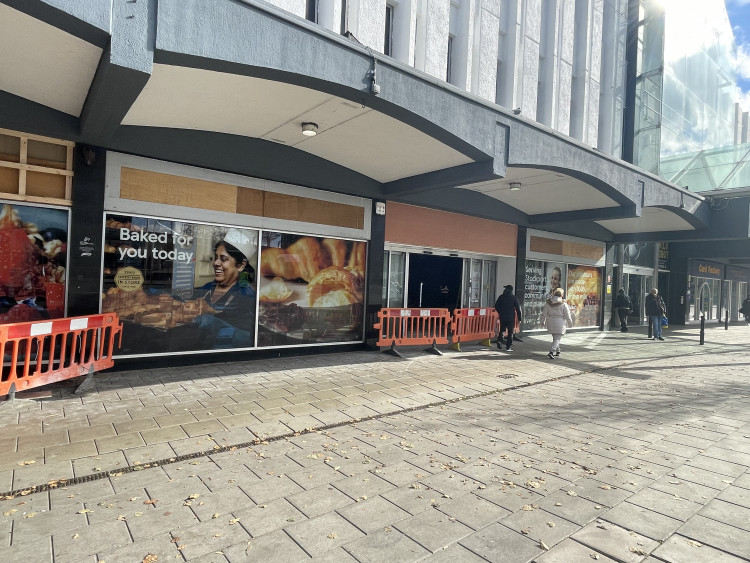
x=745, y=309
x=624, y=307
x=556, y=316
x=655, y=310
x=507, y=308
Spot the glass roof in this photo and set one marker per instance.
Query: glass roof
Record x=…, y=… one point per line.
x=711, y=169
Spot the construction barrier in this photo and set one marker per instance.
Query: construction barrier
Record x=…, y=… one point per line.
x=43, y=352
x=410, y=327
x=473, y=324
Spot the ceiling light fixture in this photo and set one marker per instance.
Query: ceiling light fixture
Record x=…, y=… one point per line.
x=515, y=186
x=309, y=129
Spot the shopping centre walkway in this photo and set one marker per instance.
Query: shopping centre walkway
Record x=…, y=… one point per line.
x=623, y=449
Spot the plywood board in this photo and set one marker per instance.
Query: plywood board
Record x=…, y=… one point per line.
x=155, y=187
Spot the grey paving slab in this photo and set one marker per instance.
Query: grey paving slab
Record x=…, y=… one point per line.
x=679, y=548
x=642, y=521
x=501, y=544
x=386, y=545
x=568, y=551
x=615, y=542
x=718, y=535
x=323, y=533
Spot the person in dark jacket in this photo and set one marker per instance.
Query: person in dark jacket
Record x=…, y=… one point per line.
x=655, y=310
x=745, y=309
x=623, y=306
x=507, y=308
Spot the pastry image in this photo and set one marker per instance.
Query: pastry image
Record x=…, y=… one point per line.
x=336, y=298
x=335, y=251
x=276, y=291
x=309, y=257
x=277, y=262
x=333, y=279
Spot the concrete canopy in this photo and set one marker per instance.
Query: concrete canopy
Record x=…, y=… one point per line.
x=173, y=80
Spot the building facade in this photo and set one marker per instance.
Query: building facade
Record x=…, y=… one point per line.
x=352, y=155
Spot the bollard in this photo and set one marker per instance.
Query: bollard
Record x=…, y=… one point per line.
x=726, y=320
x=703, y=329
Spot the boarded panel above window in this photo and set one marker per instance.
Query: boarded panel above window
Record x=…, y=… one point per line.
x=566, y=248
x=156, y=187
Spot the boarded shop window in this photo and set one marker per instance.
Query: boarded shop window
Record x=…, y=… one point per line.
x=565, y=248
x=35, y=169
x=155, y=187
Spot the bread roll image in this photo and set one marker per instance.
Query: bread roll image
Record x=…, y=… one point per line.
x=275, y=291
x=335, y=251
x=277, y=262
x=309, y=257
x=332, y=279
x=337, y=298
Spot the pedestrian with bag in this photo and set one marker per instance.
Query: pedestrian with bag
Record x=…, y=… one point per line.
x=507, y=308
x=624, y=308
x=557, y=318
x=655, y=309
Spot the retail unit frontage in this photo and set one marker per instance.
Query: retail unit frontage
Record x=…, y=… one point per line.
x=191, y=144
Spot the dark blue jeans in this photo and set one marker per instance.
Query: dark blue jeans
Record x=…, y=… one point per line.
x=656, y=325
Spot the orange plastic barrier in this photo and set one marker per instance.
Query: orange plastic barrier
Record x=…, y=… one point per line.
x=43, y=352
x=473, y=324
x=409, y=327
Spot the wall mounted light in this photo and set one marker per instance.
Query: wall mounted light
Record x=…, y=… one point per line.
x=515, y=186
x=309, y=129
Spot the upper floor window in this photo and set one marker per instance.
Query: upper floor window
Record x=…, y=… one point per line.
x=388, y=40
x=449, y=66
x=311, y=11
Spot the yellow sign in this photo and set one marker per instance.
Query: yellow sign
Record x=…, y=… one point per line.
x=129, y=278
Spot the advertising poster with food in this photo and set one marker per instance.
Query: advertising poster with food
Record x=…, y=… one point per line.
x=34, y=247
x=180, y=286
x=583, y=295
x=311, y=290
x=541, y=279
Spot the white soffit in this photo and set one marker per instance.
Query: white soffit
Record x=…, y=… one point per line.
x=44, y=64
x=353, y=136
x=543, y=191
x=653, y=220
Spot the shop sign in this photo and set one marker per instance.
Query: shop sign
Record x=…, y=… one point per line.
x=703, y=269
x=663, y=256
x=33, y=248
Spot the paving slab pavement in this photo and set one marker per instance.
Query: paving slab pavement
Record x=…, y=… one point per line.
x=622, y=449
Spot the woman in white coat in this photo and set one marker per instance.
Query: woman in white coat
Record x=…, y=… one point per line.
x=557, y=317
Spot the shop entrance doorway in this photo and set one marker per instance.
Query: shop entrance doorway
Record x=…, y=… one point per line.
x=434, y=281
x=637, y=287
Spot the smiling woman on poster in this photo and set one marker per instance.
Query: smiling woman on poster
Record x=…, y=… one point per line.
x=230, y=294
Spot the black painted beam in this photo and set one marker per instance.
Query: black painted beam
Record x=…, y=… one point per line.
x=603, y=213
x=448, y=178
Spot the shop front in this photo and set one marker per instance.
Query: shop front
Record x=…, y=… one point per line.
x=202, y=261
x=735, y=291
x=704, y=290
x=35, y=198
x=436, y=259
x=575, y=265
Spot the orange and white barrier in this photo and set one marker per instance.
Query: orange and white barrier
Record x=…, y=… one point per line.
x=473, y=324
x=410, y=327
x=43, y=352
